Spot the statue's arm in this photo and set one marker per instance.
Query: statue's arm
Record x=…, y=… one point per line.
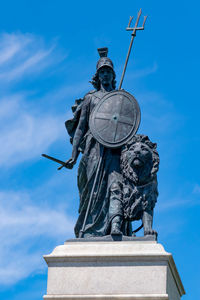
x=80, y=131
x=79, y=134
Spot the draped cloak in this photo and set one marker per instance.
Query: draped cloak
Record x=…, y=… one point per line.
x=107, y=197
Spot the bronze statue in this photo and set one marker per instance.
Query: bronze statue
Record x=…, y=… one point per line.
x=117, y=178
x=113, y=190
x=104, y=217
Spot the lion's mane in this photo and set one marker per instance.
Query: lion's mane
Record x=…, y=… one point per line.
x=150, y=169
x=140, y=188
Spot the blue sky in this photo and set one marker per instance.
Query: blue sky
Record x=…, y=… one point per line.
x=47, y=57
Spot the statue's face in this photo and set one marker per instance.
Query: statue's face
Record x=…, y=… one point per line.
x=139, y=155
x=106, y=76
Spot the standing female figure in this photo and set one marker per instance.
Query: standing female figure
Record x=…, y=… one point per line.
x=105, y=214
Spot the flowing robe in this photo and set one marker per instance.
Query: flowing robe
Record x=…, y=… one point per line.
x=107, y=197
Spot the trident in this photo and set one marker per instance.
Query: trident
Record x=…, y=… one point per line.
x=134, y=29
x=63, y=164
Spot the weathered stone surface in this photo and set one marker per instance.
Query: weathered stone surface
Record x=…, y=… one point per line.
x=112, y=270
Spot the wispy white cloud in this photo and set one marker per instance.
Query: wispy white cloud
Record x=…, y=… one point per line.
x=12, y=44
x=29, y=225
x=22, y=55
x=173, y=203
x=196, y=189
x=22, y=226
x=76, y=90
x=26, y=129
x=25, y=134
x=140, y=73
x=177, y=202
x=29, y=65
x=169, y=227
x=154, y=98
x=158, y=114
x=9, y=106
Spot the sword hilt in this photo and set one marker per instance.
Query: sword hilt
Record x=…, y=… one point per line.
x=59, y=168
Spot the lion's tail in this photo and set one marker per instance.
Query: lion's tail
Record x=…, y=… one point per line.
x=136, y=230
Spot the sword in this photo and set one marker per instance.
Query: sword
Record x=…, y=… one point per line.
x=55, y=159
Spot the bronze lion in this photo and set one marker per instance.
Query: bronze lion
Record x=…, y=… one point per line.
x=139, y=166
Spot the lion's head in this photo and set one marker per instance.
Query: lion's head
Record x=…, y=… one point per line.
x=139, y=160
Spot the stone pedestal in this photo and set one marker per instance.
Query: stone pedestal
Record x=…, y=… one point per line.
x=112, y=270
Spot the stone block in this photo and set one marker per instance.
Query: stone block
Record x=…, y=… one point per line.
x=112, y=270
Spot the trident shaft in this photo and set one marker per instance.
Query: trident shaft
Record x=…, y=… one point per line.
x=134, y=29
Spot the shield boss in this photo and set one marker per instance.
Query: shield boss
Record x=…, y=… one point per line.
x=115, y=119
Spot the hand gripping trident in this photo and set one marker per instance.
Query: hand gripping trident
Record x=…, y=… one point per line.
x=134, y=29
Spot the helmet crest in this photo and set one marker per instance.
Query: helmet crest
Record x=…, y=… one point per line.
x=104, y=61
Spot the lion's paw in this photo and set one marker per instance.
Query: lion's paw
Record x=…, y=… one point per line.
x=150, y=232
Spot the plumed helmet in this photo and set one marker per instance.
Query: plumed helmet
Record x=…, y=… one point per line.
x=104, y=60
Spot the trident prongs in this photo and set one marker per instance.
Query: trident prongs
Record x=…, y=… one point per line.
x=134, y=29
x=130, y=20
x=145, y=17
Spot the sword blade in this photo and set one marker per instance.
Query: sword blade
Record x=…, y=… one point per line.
x=54, y=159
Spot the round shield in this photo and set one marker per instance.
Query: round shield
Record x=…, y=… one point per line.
x=115, y=119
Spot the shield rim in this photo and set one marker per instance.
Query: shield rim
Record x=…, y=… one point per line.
x=132, y=132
